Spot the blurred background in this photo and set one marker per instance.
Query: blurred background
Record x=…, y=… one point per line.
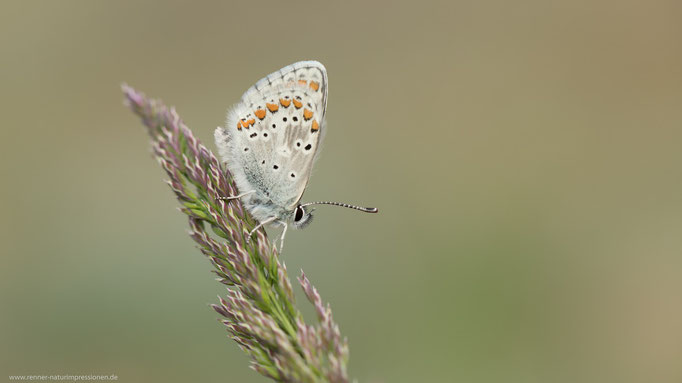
x=525, y=157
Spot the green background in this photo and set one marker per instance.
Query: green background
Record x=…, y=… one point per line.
x=525, y=157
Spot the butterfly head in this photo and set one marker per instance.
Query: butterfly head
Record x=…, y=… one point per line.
x=302, y=217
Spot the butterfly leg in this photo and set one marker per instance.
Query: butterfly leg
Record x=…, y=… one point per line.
x=235, y=197
x=281, y=238
x=248, y=239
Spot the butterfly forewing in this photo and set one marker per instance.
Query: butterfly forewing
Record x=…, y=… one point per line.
x=273, y=134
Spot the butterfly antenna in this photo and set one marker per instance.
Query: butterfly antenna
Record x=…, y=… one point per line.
x=365, y=209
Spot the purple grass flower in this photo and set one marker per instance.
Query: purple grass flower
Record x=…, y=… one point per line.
x=259, y=310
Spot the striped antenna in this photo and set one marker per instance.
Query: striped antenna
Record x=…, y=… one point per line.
x=365, y=209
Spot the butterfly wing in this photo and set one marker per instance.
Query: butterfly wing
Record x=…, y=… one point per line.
x=273, y=135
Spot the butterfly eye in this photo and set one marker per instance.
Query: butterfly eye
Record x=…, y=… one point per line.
x=299, y=214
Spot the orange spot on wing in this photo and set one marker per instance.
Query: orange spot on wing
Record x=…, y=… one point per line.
x=307, y=115
x=260, y=113
x=314, y=85
x=285, y=103
x=302, y=82
x=298, y=104
x=239, y=125
x=250, y=122
x=315, y=127
x=272, y=107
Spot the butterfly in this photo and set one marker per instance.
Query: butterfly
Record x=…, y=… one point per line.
x=270, y=142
